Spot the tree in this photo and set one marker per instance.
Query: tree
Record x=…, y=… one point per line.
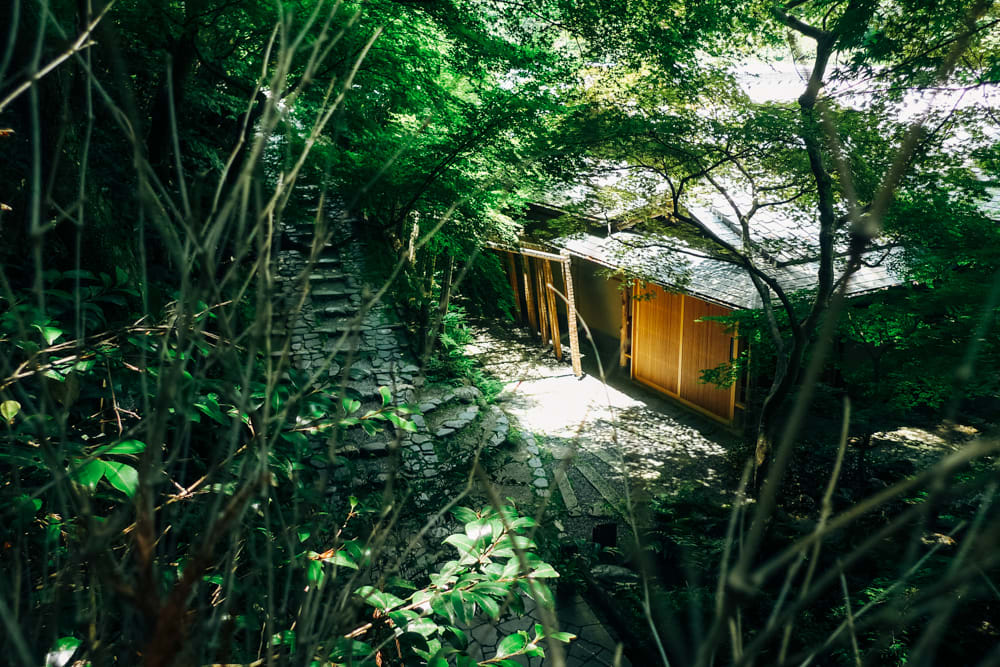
x=836, y=157
x=166, y=504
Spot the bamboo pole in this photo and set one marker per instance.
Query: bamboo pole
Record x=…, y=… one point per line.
x=574, y=339
x=553, y=311
x=529, y=298
x=543, y=315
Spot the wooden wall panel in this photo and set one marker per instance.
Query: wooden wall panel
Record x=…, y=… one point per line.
x=656, y=339
x=705, y=345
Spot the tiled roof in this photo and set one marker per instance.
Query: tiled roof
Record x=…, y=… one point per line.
x=672, y=264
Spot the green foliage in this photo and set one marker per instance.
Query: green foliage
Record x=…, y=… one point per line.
x=486, y=289
x=496, y=566
x=83, y=427
x=449, y=362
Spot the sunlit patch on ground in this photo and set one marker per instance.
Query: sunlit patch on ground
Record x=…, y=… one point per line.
x=618, y=430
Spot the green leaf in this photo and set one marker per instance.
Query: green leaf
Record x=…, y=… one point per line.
x=286, y=638
x=456, y=637
x=50, y=334
x=84, y=365
x=89, y=474
x=386, y=395
x=462, y=606
x=9, y=410
x=414, y=640
x=544, y=571
x=403, y=617
x=513, y=644
x=489, y=606
x=464, y=514
x=537, y=591
x=564, y=637
x=493, y=589
x=350, y=405
x=398, y=582
x=125, y=447
x=62, y=652
x=350, y=650
x=122, y=476
x=534, y=651
x=315, y=572
x=477, y=529
x=379, y=599
x=423, y=626
x=437, y=661
x=304, y=534
x=466, y=547
x=343, y=558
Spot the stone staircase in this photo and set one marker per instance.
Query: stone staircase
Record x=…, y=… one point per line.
x=326, y=328
x=323, y=325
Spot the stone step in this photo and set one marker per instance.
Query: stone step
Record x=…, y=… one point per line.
x=598, y=481
x=337, y=326
x=339, y=307
x=328, y=275
x=331, y=290
x=454, y=419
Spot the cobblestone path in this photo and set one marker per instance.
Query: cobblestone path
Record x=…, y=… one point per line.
x=606, y=442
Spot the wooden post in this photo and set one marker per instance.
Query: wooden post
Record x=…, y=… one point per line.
x=553, y=311
x=512, y=276
x=574, y=339
x=624, y=332
x=543, y=315
x=529, y=298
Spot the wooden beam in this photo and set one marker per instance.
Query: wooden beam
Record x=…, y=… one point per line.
x=530, y=252
x=553, y=311
x=529, y=299
x=574, y=339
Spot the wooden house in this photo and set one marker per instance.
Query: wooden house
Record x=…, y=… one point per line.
x=663, y=325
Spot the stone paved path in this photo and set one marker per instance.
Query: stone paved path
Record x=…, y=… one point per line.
x=593, y=646
x=601, y=437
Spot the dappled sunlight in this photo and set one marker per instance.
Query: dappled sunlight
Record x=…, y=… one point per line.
x=619, y=430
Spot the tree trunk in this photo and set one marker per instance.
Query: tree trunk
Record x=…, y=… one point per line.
x=442, y=309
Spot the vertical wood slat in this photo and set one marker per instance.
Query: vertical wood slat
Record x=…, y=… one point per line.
x=656, y=339
x=574, y=339
x=623, y=332
x=543, y=315
x=680, y=347
x=634, y=292
x=512, y=275
x=705, y=345
x=529, y=299
x=553, y=311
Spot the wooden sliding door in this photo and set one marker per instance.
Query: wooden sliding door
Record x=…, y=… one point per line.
x=670, y=348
